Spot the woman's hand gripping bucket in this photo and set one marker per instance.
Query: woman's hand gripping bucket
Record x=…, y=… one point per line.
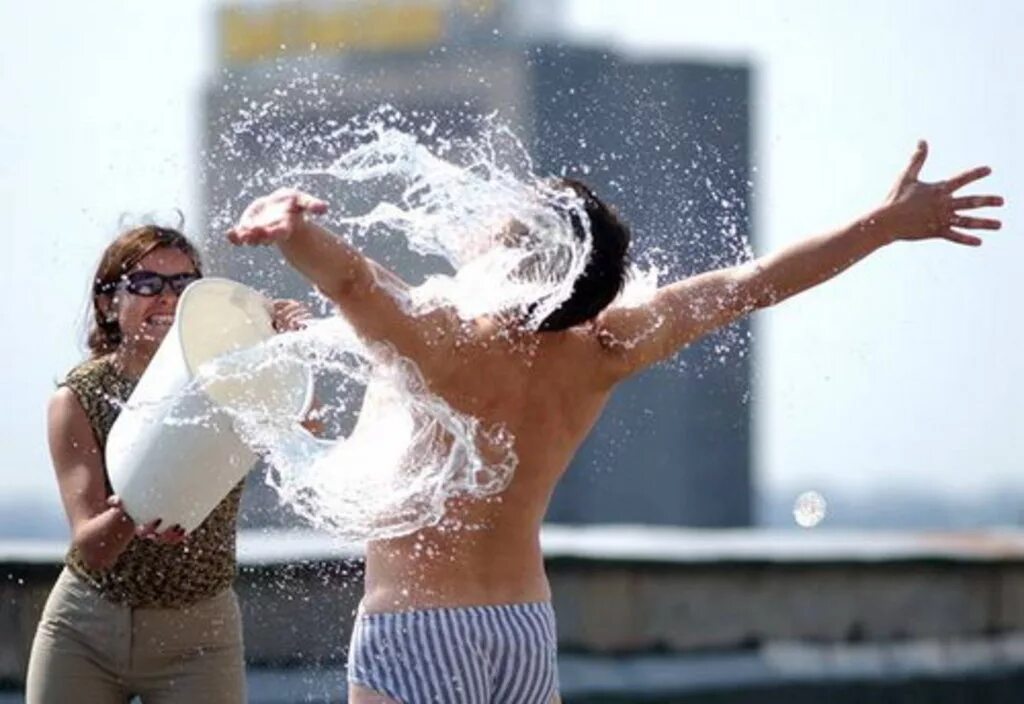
x=174, y=452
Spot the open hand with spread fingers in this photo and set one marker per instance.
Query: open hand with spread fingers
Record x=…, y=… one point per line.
x=916, y=210
x=274, y=218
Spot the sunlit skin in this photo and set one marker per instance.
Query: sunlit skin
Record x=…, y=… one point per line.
x=145, y=320
x=100, y=528
x=549, y=400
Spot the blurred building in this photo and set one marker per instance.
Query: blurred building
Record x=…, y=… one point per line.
x=666, y=141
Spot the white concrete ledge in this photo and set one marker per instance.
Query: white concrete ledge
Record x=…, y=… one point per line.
x=631, y=543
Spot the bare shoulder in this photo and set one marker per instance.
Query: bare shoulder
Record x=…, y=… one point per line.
x=65, y=412
x=438, y=331
x=441, y=329
x=449, y=342
x=586, y=352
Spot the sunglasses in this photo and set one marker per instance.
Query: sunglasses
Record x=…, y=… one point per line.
x=150, y=283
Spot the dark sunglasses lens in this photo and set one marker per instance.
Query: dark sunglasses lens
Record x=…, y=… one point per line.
x=145, y=283
x=179, y=282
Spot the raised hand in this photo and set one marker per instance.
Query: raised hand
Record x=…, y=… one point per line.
x=916, y=210
x=274, y=218
x=287, y=315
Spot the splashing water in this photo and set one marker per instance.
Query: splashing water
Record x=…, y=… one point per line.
x=509, y=239
x=809, y=509
x=392, y=475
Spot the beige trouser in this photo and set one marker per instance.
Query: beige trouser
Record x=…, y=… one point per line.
x=91, y=650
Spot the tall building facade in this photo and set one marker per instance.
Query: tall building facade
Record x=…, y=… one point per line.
x=666, y=141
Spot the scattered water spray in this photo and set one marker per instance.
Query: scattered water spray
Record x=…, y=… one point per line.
x=495, y=237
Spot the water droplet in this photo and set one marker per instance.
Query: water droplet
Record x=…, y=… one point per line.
x=809, y=509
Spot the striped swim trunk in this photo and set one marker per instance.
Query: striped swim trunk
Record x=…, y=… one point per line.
x=503, y=654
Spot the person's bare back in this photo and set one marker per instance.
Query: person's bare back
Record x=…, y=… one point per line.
x=545, y=390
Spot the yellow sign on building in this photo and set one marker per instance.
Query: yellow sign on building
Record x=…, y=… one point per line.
x=251, y=33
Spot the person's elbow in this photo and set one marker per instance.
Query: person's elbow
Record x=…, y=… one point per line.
x=346, y=288
x=763, y=299
x=97, y=554
x=753, y=289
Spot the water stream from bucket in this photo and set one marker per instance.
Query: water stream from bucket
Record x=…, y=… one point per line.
x=499, y=238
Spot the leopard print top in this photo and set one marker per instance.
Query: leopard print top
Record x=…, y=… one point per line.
x=148, y=573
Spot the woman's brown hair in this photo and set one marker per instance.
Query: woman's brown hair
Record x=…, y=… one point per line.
x=104, y=333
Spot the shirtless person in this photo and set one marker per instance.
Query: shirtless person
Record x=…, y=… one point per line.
x=465, y=616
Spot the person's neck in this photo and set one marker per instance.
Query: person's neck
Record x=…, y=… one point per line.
x=131, y=362
x=505, y=323
x=510, y=330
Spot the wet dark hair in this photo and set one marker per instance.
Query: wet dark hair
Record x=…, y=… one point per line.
x=104, y=333
x=605, y=274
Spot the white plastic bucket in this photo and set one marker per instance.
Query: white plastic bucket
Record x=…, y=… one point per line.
x=173, y=453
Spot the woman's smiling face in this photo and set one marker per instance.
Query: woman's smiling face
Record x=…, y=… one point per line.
x=145, y=320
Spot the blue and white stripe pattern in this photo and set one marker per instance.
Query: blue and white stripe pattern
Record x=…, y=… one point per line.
x=504, y=654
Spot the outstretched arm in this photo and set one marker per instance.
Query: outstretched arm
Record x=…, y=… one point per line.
x=362, y=289
x=686, y=310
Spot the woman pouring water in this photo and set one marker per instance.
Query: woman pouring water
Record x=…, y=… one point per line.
x=139, y=610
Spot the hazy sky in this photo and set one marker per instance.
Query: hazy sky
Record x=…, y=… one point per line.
x=905, y=371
